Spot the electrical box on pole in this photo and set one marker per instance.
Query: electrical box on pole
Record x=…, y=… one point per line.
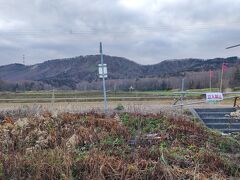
x=102, y=70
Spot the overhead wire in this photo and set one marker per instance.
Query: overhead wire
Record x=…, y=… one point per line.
x=113, y=31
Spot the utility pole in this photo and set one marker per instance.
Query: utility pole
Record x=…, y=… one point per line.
x=210, y=79
x=23, y=59
x=182, y=95
x=224, y=67
x=53, y=97
x=103, y=69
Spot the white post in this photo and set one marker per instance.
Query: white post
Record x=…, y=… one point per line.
x=103, y=77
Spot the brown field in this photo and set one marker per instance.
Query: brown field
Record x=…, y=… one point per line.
x=130, y=106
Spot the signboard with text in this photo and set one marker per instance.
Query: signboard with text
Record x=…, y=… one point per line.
x=102, y=70
x=214, y=97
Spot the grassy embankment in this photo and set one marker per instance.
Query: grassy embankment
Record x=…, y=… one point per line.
x=128, y=146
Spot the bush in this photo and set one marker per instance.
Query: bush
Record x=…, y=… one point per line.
x=119, y=107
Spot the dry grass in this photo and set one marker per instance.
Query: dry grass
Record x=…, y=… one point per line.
x=130, y=106
x=43, y=145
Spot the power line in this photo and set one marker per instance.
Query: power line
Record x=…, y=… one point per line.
x=133, y=29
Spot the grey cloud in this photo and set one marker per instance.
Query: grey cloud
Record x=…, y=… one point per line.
x=158, y=30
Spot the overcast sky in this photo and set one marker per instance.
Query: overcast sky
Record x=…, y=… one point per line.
x=146, y=31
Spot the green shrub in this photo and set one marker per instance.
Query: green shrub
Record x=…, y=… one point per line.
x=119, y=107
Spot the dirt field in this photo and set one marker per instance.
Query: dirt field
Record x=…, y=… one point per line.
x=131, y=106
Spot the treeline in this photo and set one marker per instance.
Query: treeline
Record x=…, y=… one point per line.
x=23, y=86
x=193, y=80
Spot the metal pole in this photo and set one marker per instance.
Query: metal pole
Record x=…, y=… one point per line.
x=183, y=84
x=53, y=97
x=104, y=85
x=182, y=96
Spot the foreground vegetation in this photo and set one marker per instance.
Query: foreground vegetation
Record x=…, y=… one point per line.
x=124, y=146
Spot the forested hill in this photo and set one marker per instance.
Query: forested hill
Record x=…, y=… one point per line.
x=84, y=68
